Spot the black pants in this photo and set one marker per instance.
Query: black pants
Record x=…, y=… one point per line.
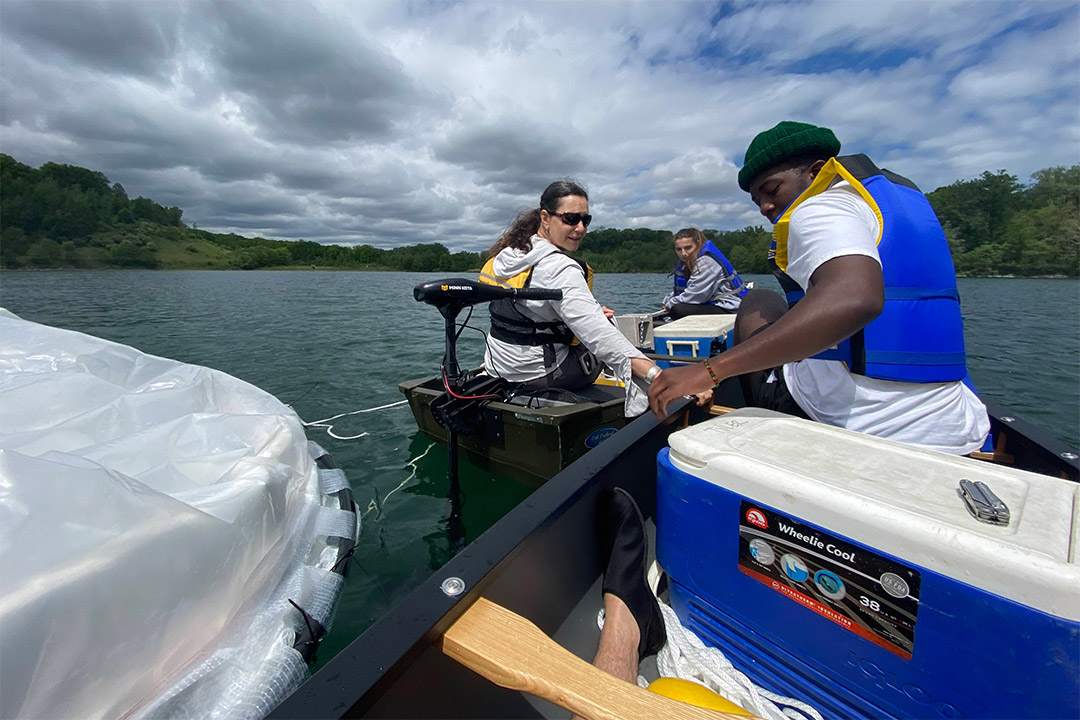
x=757, y=390
x=683, y=309
x=775, y=395
x=578, y=370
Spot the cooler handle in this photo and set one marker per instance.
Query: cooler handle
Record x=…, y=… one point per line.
x=692, y=344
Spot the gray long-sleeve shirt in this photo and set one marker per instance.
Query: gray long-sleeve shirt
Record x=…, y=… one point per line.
x=577, y=308
x=708, y=280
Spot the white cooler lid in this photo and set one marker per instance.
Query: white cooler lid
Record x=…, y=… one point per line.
x=898, y=499
x=696, y=326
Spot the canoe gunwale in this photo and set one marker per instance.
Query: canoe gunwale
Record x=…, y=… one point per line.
x=361, y=673
x=1031, y=447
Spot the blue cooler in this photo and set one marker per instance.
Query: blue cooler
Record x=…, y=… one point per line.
x=846, y=571
x=694, y=336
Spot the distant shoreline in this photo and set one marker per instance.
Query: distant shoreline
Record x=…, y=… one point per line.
x=303, y=268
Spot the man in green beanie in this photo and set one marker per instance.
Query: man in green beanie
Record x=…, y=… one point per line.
x=869, y=336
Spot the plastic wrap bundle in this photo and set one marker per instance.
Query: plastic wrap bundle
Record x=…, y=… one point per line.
x=158, y=521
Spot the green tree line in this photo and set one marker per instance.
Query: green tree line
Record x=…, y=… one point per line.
x=67, y=216
x=63, y=216
x=996, y=226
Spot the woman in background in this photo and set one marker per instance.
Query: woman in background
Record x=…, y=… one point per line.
x=705, y=281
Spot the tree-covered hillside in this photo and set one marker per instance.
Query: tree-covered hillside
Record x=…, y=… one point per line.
x=63, y=216
x=648, y=251
x=996, y=226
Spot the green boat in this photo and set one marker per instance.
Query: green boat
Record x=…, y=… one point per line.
x=527, y=437
x=532, y=436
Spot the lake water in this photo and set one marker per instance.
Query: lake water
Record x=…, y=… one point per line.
x=329, y=343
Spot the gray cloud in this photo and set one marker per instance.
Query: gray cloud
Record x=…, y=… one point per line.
x=305, y=78
x=130, y=38
x=515, y=157
x=402, y=122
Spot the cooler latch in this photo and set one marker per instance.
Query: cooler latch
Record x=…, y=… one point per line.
x=643, y=325
x=981, y=502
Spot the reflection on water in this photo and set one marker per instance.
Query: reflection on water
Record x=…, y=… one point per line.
x=332, y=343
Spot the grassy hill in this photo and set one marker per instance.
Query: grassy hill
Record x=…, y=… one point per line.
x=64, y=216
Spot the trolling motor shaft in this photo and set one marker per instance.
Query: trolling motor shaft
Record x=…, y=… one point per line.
x=451, y=296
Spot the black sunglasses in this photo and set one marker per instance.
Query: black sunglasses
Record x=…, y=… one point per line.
x=572, y=219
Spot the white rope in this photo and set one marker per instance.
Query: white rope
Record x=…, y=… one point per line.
x=330, y=428
x=376, y=504
x=686, y=656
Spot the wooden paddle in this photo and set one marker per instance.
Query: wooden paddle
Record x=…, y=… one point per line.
x=513, y=653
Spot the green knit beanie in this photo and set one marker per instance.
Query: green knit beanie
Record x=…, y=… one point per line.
x=785, y=141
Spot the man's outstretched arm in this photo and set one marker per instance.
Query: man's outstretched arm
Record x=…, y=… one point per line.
x=845, y=294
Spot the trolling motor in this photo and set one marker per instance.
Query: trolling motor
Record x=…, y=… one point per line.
x=456, y=409
x=454, y=295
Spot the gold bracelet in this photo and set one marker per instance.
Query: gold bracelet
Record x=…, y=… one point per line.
x=715, y=380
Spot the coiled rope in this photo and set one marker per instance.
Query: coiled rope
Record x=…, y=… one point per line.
x=686, y=656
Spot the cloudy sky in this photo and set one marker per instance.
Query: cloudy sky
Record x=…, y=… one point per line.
x=403, y=122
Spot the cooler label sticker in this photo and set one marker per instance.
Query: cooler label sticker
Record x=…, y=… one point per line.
x=868, y=594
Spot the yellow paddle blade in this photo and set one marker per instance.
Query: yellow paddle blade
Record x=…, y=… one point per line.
x=694, y=693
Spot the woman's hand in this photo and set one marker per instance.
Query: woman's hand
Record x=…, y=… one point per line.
x=676, y=382
x=608, y=312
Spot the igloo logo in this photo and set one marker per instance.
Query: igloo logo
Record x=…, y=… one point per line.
x=756, y=517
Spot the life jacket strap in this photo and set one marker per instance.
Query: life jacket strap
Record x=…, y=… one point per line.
x=914, y=358
x=918, y=293
x=509, y=325
x=518, y=331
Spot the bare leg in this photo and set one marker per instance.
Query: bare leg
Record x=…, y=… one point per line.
x=621, y=533
x=616, y=653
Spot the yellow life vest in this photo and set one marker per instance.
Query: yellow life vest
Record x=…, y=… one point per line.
x=511, y=326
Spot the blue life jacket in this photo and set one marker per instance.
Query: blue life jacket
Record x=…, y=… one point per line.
x=682, y=277
x=919, y=335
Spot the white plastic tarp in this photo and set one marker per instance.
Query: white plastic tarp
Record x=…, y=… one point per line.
x=155, y=519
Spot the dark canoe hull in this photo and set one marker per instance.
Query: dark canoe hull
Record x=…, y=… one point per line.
x=1025, y=446
x=530, y=444
x=538, y=561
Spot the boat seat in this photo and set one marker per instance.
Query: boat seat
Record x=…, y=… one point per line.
x=593, y=393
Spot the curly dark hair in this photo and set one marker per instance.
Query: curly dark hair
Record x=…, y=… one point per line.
x=518, y=235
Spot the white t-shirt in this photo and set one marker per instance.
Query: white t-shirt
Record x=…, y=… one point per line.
x=941, y=416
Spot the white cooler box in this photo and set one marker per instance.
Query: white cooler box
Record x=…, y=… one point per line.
x=694, y=336
x=846, y=571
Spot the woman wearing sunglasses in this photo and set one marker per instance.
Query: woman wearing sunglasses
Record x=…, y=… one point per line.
x=541, y=344
x=705, y=281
